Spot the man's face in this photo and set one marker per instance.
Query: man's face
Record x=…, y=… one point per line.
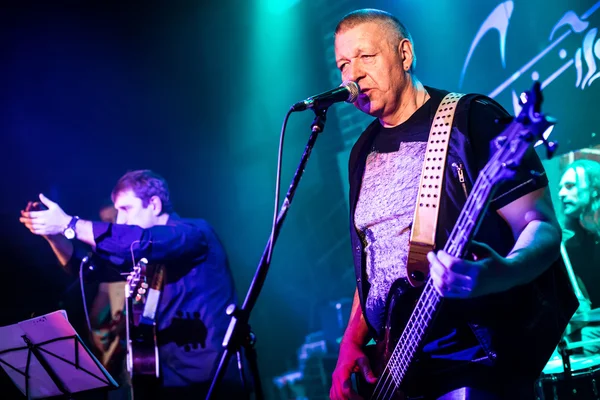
x=130, y=210
x=369, y=54
x=574, y=192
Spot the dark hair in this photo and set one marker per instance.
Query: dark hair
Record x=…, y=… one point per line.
x=366, y=15
x=145, y=184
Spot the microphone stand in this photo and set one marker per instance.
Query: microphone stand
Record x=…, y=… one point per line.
x=238, y=333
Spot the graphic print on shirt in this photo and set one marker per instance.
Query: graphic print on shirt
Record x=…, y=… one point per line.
x=384, y=214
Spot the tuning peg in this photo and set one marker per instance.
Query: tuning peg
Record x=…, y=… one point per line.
x=523, y=98
x=499, y=141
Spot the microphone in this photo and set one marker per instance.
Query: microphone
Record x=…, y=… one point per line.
x=348, y=91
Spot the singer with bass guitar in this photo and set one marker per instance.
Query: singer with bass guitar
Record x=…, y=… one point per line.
x=505, y=303
x=186, y=283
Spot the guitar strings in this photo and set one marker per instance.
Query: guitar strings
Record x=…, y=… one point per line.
x=388, y=385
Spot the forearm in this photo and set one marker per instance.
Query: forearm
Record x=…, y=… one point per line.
x=62, y=247
x=357, y=330
x=536, y=248
x=160, y=243
x=84, y=232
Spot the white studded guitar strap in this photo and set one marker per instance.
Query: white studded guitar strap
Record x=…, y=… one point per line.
x=422, y=237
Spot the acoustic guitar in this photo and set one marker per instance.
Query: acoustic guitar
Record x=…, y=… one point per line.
x=142, y=295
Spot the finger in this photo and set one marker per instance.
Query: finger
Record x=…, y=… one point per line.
x=480, y=250
x=32, y=214
x=29, y=220
x=336, y=389
x=26, y=221
x=332, y=393
x=457, y=265
x=460, y=287
x=435, y=264
x=39, y=229
x=450, y=261
x=439, y=270
x=29, y=205
x=439, y=286
x=34, y=227
x=348, y=392
x=336, y=385
x=46, y=201
x=365, y=368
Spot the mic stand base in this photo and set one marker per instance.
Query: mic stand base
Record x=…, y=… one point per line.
x=239, y=336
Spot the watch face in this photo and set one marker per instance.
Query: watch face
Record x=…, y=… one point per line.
x=69, y=233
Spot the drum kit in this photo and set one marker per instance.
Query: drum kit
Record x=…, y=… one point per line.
x=572, y=376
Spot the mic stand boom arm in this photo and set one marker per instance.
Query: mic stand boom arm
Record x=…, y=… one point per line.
x=238, y=333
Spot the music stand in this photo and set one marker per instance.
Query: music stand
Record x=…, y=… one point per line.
x=45, y=357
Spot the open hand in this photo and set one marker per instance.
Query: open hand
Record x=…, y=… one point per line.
x=48, y=222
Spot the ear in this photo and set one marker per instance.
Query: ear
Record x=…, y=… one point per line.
x=406, y=53
x=156, y=204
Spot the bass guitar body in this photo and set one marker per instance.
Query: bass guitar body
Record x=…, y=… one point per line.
x=400, y=304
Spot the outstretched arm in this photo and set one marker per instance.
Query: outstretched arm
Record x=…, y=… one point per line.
x=119, y=243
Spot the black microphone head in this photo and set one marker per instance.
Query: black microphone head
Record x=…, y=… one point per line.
x=353, y=90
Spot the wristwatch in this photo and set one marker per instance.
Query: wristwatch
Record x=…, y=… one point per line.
x=69, y=231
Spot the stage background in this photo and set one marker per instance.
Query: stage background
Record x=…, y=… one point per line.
x=197, y=91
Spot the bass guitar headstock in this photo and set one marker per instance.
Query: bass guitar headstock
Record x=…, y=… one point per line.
x=522, y=133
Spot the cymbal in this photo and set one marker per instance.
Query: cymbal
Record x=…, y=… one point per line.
x=583, y=343
x=587, y=316
x=578, y=363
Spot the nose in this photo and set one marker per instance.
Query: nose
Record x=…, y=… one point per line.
x=562, y=193
x=353, y=72
x=121, y=218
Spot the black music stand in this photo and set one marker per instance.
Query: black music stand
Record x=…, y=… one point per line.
x=57, y=366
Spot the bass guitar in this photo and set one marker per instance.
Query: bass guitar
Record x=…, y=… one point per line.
x=412, y=310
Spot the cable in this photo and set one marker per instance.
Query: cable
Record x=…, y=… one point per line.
x=277, y=184
x=85, y=309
